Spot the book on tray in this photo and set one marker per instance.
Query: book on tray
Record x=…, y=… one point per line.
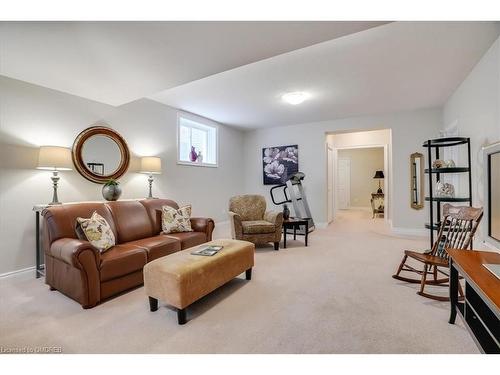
x=207, y=250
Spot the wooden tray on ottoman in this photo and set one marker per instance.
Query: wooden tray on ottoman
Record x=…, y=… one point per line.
x=181, y=278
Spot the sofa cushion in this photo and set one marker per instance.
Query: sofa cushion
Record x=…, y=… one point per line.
x=188, y=239
x=61, y=220
x=153, y=206
x=257, y=227
x=131, y=220
x=176, y=221
x=121, y=260
x=158, y=246
x=97, y=231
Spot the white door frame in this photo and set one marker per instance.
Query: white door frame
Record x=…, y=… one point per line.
x=329, y=177
x=335, y=189
x=387, y=178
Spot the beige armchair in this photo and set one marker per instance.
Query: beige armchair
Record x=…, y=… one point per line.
x=251, y=222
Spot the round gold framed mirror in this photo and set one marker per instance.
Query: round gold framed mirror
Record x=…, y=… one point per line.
x=100, y=154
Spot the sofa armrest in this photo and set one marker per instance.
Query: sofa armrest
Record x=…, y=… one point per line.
x=275, y=217
x=69, y=250
x=203, y=224
x=236, y=226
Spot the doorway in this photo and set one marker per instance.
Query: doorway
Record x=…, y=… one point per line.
x=355, y=163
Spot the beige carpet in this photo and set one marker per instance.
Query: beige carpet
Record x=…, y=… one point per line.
x=335, y=296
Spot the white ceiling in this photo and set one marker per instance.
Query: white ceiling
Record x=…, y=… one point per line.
x=395, y=67
x=118, y=62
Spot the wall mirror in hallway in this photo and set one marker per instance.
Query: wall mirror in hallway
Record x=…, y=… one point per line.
x=417, y=181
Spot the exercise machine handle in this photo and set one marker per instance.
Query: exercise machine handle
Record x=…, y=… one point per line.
x=287, y=200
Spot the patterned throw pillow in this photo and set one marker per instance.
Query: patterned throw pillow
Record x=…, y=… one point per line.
x=173, y=220
x=97, y=231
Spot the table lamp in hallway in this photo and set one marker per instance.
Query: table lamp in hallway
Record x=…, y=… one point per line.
x=150, y=165
x=55, y=159
x=379, y=175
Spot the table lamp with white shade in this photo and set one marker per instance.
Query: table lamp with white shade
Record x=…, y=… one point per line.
x=55, y=159
x=150, y=165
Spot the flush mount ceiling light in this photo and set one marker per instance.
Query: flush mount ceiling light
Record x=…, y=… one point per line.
x=295, y=97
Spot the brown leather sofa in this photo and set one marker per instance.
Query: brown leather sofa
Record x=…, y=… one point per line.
x=78, y=270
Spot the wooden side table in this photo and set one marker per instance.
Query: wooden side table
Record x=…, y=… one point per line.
x=295, y=223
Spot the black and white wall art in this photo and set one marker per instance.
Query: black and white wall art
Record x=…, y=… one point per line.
x=278, y=163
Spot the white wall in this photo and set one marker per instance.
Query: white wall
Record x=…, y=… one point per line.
x=475, y=106
x=408, y=131
x=364, y=163
x=31, y=116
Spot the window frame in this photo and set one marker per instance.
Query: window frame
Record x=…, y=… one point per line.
x=205, y=122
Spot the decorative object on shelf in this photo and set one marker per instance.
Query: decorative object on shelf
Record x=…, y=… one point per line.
x=150, y=165
x=193, y=155
x=278, y=163
x=435, y=152
x=199, y=159
x=445, y=190
x=417, y=181
x=100, y=154
x=111, y=190
x=449, y=163
x=379, y=175
x=286, y=212
x=55, y=159
x=438, y=163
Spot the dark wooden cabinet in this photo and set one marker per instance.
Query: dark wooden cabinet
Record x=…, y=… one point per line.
x=480, y=309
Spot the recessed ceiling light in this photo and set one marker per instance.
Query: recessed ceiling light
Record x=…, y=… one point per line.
x=295, y=97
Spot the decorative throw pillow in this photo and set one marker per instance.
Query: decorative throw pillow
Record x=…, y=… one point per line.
x=97, y=231
x=173, y=220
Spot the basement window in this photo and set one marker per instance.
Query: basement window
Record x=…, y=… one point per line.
x=197, y=142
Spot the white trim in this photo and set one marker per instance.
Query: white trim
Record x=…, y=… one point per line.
x=206, y=122
x=491, y=246
x=17, y=272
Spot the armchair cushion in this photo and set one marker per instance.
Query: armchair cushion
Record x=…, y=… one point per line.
x=258, y=227
x=275, y=217
x=249, y=207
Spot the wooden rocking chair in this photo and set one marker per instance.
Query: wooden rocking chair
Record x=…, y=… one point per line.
x=457, y=229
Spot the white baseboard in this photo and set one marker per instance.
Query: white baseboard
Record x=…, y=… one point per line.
x=321, y=225
x=418, y=232
x=17, y=272
x=490, y=246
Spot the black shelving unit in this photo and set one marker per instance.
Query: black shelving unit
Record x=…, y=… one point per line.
x=435, y=202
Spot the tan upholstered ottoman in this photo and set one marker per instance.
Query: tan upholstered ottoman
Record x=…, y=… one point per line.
x=181, y=278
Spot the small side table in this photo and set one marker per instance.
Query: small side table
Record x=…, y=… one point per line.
x=40, y=264
x=295, y=223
